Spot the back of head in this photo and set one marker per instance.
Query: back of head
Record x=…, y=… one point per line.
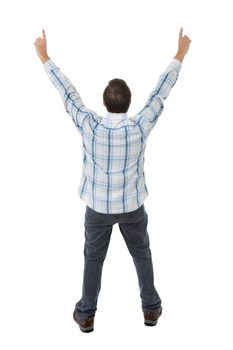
x=117, y=96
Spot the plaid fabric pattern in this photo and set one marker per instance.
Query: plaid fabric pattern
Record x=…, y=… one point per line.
x=113, y=179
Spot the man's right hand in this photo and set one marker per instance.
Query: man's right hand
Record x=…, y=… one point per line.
x=41, y=47
x=183, y=46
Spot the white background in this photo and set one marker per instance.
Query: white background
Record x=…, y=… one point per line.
x=188, y=172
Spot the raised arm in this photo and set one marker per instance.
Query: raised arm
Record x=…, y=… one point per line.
x=148, y=116
x=72, y=101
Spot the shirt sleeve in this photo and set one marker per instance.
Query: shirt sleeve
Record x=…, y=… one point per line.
x=148, y=116
x=72, y=101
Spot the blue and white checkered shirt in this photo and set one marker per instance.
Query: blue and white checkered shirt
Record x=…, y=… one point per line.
x=113, y=179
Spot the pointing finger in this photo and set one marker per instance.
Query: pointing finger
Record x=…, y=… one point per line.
x=181, y=32
x=44, y=36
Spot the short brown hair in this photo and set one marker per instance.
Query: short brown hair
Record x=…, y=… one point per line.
x=117, y=96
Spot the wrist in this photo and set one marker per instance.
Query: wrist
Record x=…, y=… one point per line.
x=44, y=58
x=179, y=56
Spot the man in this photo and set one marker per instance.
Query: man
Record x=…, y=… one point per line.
x=113, y=182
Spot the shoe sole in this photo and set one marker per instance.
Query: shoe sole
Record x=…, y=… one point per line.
x=86, y=330
x=150, y=323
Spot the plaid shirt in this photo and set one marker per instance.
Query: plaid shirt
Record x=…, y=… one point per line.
x=113, y=179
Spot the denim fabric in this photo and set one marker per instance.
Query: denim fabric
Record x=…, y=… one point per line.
x=98, y=229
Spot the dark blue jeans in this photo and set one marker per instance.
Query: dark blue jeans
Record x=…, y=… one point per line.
x=98, y=229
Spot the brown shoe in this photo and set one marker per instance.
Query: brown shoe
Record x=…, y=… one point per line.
x=151, y=317
x=86, y=325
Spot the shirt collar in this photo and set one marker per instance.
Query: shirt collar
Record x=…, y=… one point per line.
x=117, y=116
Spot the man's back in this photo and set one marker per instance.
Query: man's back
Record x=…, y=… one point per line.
x=113, y=158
